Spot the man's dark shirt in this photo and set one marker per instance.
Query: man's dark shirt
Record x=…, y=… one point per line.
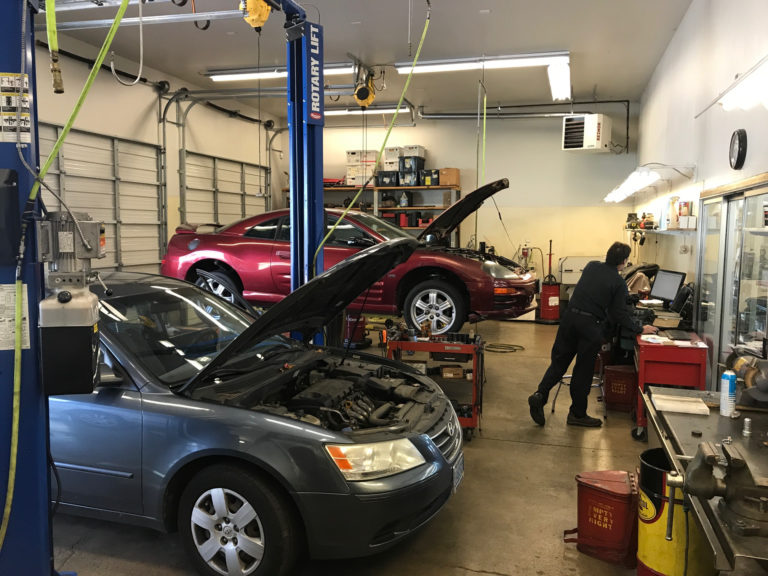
x=602, y=292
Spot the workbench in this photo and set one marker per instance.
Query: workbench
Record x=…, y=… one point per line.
x=679, y=363
x=439, y=352
x=680, y=435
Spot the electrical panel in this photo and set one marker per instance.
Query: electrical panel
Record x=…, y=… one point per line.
x=587, y=132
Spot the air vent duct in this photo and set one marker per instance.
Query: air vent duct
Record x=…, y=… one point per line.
x=590, y=132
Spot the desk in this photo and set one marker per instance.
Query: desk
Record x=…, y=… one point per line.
x=674, y=431
x=682, y=364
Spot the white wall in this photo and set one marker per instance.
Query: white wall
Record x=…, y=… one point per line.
x=553, y=195
x=134, y=112
x=716, y=41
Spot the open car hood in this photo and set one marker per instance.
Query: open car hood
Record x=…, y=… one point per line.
x=455, y=214
x=316, y=303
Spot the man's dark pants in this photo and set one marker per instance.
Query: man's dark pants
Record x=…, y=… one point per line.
x=581, y=336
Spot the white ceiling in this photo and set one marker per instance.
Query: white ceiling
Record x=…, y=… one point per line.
x=614, y=44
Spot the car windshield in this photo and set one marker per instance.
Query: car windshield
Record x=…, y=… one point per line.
x=173, y=333
x=389, y=231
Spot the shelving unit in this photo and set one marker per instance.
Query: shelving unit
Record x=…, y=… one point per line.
x=429, y=199
x=334, y=196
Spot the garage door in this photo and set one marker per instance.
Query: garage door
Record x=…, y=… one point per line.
x=219, y=191
x=114, y=181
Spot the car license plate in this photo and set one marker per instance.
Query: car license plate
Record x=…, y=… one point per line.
x=458, y=472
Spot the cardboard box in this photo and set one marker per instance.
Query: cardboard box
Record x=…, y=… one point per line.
x=452, y=371
x=390, y=165
x=414, y=150
x=360, y=156
x=450, y=177
x=392, y=154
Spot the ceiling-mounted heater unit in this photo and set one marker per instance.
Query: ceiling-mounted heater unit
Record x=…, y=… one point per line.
x=590, y=132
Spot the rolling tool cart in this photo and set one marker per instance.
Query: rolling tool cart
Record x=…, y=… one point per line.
x=455, y=361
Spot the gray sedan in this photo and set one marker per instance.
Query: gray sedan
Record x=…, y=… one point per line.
x=256, y=447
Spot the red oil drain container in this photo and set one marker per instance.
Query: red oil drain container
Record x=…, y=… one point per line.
x=607, y=516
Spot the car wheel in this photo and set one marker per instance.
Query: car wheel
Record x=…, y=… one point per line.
x=234, y=523
x=436, y=302
x=219, y=283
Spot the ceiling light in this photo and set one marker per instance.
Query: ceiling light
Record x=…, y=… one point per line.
x=747, y=91
x=647, y=175
x=485, y=63
x=560, y=80
x=237, y=74
x=360, y=111
x=558, y=67
x=638, y=180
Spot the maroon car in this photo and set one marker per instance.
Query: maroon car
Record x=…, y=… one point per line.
x=440, y=285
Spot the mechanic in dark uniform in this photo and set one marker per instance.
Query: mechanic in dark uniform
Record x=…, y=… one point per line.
x=600, y=295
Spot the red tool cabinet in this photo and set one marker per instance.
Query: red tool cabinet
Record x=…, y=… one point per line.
x=444, y=355
x=683, y=364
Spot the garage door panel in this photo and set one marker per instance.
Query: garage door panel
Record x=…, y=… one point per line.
x=200, y=183
x=254, y=205
x=87, y=185
x=136, y=190
x=138, y=175
x=135, y=258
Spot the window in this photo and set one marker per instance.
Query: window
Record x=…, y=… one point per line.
x=346, y=232
x=264, y=230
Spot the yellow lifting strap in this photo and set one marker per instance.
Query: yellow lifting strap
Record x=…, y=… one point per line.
x=255, y=12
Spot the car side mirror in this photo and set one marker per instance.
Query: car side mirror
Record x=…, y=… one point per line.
x=107, y=375
x=361, y=242
x=430, y=239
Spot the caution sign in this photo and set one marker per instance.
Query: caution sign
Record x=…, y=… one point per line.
x=8, y=317
x=15, y=121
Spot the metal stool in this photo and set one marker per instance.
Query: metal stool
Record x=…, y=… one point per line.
x=597, y=382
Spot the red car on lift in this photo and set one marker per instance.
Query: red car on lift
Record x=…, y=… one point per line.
x=438, y=284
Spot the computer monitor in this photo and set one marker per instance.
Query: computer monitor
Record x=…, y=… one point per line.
x=666, y=285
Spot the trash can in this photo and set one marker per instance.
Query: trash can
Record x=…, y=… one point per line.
x=607, y=516
x=655, y=554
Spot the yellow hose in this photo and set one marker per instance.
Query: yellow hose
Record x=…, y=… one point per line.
x=19, y=286
x=383, y=144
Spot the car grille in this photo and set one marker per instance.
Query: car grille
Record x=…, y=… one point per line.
x=446, y=434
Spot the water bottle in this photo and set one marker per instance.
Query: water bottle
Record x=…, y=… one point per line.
x=727, y=393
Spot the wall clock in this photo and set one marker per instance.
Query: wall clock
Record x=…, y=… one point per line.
x=738, y=149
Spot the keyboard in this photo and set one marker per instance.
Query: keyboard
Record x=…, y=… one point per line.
x=676, y=334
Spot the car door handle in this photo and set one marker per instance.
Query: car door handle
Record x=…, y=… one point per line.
x=283, y=254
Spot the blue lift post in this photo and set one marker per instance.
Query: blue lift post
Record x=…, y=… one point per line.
x=27, y=547
x=306, y=117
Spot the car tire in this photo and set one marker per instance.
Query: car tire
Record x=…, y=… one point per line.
x=438, y=302
x=220, y=283
x=233, y=522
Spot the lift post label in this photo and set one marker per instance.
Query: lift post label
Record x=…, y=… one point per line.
x=313, y=88
x=8, y=317
x=14, y=108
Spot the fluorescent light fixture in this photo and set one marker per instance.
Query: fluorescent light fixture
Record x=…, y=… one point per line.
x=638, y=180
x=360, y=111
x=485, y=63
x=749, y=90
x=560, y=80
x=557, y=63
x=238, y=74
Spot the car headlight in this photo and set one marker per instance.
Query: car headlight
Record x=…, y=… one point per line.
x=376, y=460
x=496, y=270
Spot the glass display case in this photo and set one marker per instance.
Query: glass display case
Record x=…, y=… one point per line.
x=732, y=303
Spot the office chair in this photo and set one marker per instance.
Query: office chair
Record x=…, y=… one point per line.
x=597, y=382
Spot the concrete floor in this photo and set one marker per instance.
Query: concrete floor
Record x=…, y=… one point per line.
x=508, y=517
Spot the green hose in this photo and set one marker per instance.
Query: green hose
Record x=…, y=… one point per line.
x=19, y=286
x=383, y=144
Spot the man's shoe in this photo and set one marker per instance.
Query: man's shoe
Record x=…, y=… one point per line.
x=536, y=402
x=585, y=420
